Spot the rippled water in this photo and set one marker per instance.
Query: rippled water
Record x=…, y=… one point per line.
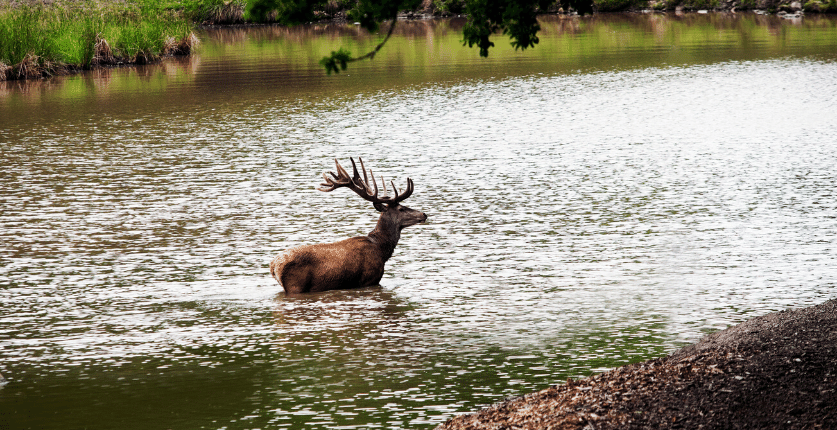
x=584, y=213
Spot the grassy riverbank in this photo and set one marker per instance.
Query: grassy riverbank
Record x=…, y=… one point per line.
x=454, y=7
x=38, y=40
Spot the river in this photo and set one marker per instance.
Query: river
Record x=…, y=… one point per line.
x=630, y=184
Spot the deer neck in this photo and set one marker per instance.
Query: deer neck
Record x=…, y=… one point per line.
x=386, y=235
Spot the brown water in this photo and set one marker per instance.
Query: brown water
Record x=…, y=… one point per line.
x=628, y=185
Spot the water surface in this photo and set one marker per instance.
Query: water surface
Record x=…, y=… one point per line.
x=629, y=185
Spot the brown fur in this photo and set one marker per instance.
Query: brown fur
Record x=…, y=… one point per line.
x=351, y=263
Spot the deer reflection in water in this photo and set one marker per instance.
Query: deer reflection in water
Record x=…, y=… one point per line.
x=351, y=263
x=332, y=311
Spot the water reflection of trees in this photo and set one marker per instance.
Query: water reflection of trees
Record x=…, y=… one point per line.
x=421, y=45
x=99, y=82
x=304, y=33
x=662, y=26
x=410, y=29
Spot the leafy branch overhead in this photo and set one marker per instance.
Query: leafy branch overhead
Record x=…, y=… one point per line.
x=515, y=18
x=342, y=57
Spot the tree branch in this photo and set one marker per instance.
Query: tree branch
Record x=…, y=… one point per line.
x=338, y=60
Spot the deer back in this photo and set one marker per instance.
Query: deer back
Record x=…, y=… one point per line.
x=350, y=263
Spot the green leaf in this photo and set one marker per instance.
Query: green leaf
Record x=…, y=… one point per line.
x=337, y=61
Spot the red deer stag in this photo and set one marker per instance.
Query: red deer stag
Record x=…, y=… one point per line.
x=355, y=262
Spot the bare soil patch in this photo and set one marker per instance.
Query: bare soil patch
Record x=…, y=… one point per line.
x=774, y=371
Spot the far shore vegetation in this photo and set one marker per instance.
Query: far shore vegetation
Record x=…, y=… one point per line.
x=42, y=38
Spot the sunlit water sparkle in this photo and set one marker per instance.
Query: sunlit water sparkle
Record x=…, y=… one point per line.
x=576, y=222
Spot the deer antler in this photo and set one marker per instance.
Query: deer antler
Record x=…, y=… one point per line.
x=361, y=186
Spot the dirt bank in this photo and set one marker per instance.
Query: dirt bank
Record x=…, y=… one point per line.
x=775, y=371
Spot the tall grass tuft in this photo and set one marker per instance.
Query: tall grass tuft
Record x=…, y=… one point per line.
x=38, y=41
x=24, y=41
x=214, y=12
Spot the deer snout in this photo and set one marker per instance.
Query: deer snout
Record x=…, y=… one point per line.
x=414, y=217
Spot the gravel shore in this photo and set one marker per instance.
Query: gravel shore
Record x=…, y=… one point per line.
x=774, y=371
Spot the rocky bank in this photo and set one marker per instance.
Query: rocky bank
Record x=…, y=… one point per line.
x=774, y=371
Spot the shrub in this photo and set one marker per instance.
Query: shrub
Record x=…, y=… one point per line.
x=216, y=11
x=701, y=4
x=616, y=5
x=448, y=7
x=821, y=6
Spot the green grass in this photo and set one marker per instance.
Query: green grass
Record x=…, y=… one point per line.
x=44, y=40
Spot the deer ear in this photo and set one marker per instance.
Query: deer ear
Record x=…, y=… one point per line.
x=379, y=206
